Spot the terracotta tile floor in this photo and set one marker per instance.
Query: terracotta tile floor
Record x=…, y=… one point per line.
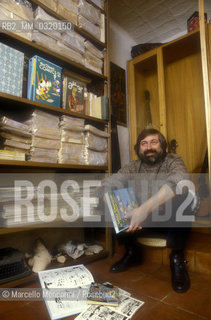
x=147, y=282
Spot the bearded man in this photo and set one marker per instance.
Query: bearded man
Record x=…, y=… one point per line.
x=153, y=163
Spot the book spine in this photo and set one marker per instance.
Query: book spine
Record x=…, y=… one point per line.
x=64, y=93
x=33, y=78
x=29, y=85
x=104, y=107
x=113, y=208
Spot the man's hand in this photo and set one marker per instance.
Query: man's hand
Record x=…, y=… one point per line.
x=136, y=217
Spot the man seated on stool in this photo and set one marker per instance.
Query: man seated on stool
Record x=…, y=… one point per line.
x=153, y=162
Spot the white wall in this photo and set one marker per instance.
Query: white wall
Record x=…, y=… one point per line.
x=120, y=44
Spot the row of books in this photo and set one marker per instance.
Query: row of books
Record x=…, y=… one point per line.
x=47, y=84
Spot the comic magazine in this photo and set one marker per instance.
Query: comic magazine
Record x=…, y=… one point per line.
x=44, y=81
x=120, y=202
x=104, y=294
x=73, y=94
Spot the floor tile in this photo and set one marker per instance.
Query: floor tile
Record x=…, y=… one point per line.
x=153, y=287
x=167, y=312
x=203, y=263
x=6, y=306
x=193, y=301
x=26, y=312
x=201, y=283
x=163, y=273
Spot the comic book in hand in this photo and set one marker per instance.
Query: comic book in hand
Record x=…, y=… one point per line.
x=104, y=294
x=44, y=81
x=120, y=202
x=73, y=95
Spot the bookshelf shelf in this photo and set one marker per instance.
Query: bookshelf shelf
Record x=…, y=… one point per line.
x=19, y=102
x=57, y=166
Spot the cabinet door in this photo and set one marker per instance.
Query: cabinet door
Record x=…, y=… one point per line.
x=172, y=77
x=185, y=114
x=143, y=95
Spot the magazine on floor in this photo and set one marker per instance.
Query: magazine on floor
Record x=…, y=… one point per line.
x=65, y=290
x=127, y=307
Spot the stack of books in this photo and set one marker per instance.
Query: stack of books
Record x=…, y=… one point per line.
x=16, y=138
x=93, y=57
x=96, y=146
x=12, y=211
x=89, y=18
x=72, y=140
x=45, y=136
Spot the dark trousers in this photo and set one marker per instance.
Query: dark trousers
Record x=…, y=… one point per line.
x=175, y=232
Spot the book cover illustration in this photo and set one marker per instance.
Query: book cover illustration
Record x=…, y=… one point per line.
x=44, y=81
x=11, y=66
x=120, y=202
x=104, y=294
x=73, y=94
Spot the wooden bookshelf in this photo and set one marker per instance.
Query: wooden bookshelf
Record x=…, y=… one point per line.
x=20, y=106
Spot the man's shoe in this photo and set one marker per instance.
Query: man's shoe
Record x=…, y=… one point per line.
x=180, y=277
x=130, y=259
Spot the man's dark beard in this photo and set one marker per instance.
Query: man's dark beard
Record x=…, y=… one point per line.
x=157, y=156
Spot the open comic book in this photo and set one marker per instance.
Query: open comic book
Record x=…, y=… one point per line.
x=120, y=202
x=124, y=311
x=65, y=290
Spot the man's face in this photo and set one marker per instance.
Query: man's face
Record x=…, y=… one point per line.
x=150, y=149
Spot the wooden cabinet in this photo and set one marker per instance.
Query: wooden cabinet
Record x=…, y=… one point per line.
x=172, y=76
x=21, y=105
